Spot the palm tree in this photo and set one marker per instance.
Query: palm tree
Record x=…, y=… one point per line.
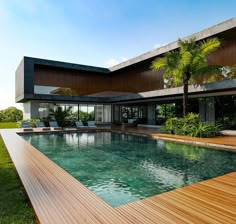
x=188, y=64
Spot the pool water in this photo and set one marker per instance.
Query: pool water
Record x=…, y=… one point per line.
x=125, y=168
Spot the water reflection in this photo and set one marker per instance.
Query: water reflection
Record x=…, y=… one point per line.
x=124, y=168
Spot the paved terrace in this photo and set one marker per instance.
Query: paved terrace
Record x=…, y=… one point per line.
x=57, y=197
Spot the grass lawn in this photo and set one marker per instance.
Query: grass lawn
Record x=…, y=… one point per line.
x=9, y=125
x=14, y=204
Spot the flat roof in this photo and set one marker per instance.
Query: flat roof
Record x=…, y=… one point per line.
x=211, y=31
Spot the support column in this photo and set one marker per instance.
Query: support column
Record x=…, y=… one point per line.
x=116, y=113
x=30, y=110
x=151, y=114
x=210, y=109
x=202, y=108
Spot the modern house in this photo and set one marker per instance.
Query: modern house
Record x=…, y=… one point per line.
x=130, y=90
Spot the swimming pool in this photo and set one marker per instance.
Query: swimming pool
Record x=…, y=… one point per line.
x=125, y=168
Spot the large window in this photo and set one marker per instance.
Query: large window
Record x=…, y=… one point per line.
x=225, y=110
x=165, y=111
x=137, y=112
x=98, y=112
x=84, y=112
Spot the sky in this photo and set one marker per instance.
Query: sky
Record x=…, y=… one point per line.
x=96, y=32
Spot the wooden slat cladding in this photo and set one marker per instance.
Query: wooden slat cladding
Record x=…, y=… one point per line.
x=226, y=55
x=134, y=79
x=85, y=82
x=137, y=78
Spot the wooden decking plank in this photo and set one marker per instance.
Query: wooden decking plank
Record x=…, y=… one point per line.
x=57, y=197
x=69, y=211
x=190, y=208
x=129, y=216
x=106, y=217
x=206, y=208
x=142, y=216
x=59, y=192
x=95, y=214
x=153, y=215
x=84, y=196
x=222, y=185
x=210, y=198
x=213, y=189
x=171, y=209
x=159, y=211
x=36, y=191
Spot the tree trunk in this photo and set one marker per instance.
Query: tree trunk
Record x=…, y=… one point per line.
x=185, y=95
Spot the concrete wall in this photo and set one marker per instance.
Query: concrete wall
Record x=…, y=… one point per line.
x=30, y=110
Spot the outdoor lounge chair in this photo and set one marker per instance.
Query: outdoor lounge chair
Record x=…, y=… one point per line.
x=91, y=124
x=79, y=124
x=42, y=126
x=26, y=126
x=54, y=125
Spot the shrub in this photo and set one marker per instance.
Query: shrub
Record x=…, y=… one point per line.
x=191, y=125
x=60, y=115
x=11, y=114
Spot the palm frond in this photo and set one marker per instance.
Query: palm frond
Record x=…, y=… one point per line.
x=168, y=61
x=207, y=47
x=191, y=59
x=172, y=59
x=159, y=64
x=186, y=58
x=199, y=60
x=207, y=74
x=187, y=45
x=210, y=69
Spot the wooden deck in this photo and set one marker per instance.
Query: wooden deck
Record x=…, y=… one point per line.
x=211, y=201
x=221, y=142
x=57, y=197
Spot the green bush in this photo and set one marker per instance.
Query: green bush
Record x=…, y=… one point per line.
x=191, y=125
x=11, y=114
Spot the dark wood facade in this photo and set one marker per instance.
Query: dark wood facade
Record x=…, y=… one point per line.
x=137, y=78
x=226, y=55
x=81, y=82
x=93, y=84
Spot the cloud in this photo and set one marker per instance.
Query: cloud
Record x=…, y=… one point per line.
x=112, y=61
x=124, y=59
x=158, y=45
